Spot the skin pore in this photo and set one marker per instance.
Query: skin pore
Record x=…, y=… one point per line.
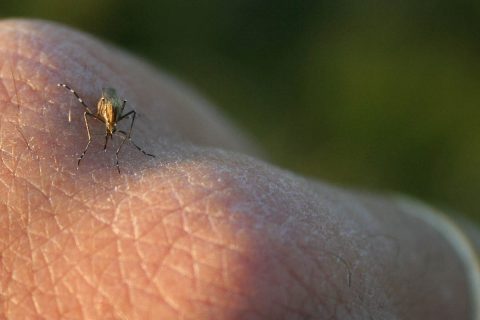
x=205, y=230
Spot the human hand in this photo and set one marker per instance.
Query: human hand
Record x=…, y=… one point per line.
x=201, y=231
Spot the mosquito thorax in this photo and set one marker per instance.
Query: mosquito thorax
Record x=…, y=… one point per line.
x=110, y=97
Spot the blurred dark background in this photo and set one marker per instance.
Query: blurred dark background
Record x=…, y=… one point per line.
x=376, y=94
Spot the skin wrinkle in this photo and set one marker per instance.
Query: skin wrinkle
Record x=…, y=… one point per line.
x=92, y=283
x=13, y=170
x=197, y=233
x=124, y=273
x=422, y=269
x=19, y=109
x=49, y=264
x=306, y=291
x=111, y=298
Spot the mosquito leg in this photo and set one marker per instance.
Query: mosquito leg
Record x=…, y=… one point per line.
x=106, y=141
x=131, y=123
x=126, y=136
x=135, y=145
x=76, y=96
x=123, y=107
x=118, y=151
x=85, y=114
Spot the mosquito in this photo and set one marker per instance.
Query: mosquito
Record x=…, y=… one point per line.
x=109, y=112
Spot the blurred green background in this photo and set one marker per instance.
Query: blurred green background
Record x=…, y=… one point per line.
x=376, y=94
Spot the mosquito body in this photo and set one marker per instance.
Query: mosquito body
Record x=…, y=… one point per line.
x=110, y=112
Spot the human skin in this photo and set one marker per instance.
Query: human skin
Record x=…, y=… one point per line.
x=202, y=231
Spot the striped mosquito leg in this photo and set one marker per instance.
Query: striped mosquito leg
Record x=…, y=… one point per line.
x=106, y=141
x=134, y=144
x=140, y=149
x=118, y=151
x=63, y=85
x=85, y=114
